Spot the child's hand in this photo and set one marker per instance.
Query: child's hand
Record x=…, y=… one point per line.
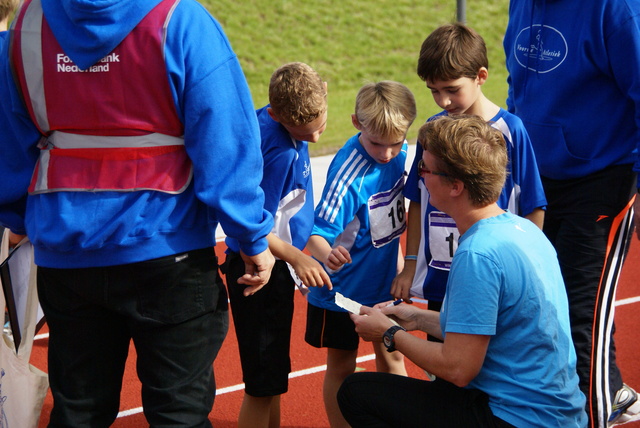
x=14, y=239
x=337, y=258
x=401, y=285
x=310, y=272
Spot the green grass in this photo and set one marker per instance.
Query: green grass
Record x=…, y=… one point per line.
x=350, y=42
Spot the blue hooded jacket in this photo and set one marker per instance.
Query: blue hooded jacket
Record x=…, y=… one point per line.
x=222, y=139
x=574, y=80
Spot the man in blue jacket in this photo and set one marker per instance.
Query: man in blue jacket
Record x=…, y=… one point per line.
x=574, y=80
x=127, y=135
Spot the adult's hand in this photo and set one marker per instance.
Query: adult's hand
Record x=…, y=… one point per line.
x=371, y=324
x=257, y=271
x=410, y=317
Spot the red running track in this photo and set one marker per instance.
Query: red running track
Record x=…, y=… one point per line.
x=302, y=406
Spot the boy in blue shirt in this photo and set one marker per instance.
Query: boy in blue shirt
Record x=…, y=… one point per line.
x=359, y=217
x=453, y=63
x=296, y=115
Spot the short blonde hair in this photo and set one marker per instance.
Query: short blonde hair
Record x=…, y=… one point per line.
x=297, y=94
x=468, y=149
x=7, y=7
x=386, y=108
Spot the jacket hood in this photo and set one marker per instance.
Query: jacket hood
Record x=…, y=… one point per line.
x=88, y=30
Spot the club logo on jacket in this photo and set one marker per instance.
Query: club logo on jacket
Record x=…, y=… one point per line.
x=540, y=48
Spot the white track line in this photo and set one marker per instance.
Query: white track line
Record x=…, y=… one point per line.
x=628, y=300
x=240, y=386
x=622, y=302
x=304, y=372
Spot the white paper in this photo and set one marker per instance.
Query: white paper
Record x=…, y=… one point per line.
x=352, y=306
x=347, y=304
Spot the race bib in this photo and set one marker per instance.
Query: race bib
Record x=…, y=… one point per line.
x=387, y=215
x=443, y=240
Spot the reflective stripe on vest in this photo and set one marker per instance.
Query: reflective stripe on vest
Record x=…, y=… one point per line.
x=118, y=135
x=98, y=163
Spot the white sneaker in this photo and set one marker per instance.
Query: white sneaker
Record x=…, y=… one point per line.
x=625, y=408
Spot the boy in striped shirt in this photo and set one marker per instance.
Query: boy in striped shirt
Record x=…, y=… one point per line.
x=357, y=221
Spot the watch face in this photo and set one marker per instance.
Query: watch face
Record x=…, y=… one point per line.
x=387, y=341
x=387, y=337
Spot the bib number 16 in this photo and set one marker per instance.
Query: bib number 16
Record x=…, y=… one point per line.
x=387, y=215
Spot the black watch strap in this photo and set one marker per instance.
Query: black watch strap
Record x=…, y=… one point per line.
x=388, y=337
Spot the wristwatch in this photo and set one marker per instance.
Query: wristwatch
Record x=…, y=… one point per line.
x=387, y=338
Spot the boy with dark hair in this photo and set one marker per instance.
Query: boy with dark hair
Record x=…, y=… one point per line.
x=453, y=63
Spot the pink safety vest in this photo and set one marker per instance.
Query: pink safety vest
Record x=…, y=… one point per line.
x=112, y=127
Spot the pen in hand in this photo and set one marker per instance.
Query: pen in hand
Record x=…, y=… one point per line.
x=396, y=303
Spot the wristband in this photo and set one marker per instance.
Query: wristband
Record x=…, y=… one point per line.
x=414, y=258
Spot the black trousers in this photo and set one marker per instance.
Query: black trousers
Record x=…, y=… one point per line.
x=383, y=400
x=173, y=308
x=589, y=221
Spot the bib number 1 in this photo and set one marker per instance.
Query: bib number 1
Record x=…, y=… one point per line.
x=443, y=240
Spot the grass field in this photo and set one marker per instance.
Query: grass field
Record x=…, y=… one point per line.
x=350, y=42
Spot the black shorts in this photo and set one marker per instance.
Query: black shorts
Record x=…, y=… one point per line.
x=330, y=329
x=263, y=328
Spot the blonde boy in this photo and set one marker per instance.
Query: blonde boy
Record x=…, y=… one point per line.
x=359, y=217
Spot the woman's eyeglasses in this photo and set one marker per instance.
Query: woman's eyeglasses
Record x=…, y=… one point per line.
x=422, y=169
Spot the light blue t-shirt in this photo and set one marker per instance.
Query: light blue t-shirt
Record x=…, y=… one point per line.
x=505, y=282
x=521, y=194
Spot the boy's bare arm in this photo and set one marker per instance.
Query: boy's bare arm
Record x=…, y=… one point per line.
x=310, y=272
x=537, y=217
x=333, y=258
x=401, y=286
